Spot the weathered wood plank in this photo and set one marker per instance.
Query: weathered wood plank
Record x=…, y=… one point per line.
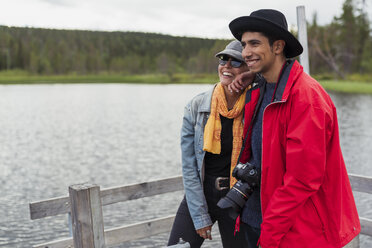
x=61, y=205
x=87, y=217
x=139, y=230
x=353, y=243
x=366, y=226
x=361, y=183
x=122, y=234
x=60, y=243
x=50, y=207
x=136, y=191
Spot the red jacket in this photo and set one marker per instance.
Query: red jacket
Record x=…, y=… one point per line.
x=306, y=197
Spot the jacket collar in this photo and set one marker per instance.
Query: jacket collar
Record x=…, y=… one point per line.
x=288, y=77
x=205, y=105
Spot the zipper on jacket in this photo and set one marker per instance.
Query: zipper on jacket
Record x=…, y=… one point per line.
x=312, y=202
x=263, y=117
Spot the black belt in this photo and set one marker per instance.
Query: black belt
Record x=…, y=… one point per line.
x=220, y=183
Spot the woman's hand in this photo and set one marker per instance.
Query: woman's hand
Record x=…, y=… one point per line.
x=205, y=232
x=241, y=81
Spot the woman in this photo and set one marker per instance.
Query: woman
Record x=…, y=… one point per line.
x=211, y=139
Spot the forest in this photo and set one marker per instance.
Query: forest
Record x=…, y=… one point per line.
x=341, y=49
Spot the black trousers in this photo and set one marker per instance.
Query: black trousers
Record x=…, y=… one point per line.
x=183, y=227
x=252, y=235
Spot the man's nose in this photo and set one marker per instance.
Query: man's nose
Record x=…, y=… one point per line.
x=246, y=52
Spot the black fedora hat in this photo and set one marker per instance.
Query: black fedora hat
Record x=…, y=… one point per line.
x=271, y=22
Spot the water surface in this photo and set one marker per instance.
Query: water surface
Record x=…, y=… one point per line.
x=52, y=136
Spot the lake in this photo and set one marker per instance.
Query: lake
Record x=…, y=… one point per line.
x=53, y=136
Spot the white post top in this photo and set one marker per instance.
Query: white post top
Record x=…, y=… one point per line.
x=302, y=37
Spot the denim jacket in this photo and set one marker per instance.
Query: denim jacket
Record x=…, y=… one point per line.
x=195, y=117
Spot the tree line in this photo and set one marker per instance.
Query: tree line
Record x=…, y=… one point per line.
x=340, y=48
x=48, y=51
x=344, y=46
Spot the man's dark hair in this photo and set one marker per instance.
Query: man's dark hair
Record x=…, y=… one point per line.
x=271, y=37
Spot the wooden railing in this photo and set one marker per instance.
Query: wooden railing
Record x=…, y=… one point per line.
x=85, y=202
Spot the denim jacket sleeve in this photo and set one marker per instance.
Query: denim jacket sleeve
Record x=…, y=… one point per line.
x=191, y=172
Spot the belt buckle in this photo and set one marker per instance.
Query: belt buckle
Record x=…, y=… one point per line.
x=217, y=183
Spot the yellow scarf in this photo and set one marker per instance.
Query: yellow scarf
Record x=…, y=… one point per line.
x=212, y=130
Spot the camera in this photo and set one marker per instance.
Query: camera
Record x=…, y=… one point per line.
x=248, y=179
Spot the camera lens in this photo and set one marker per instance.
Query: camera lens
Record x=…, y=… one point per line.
x=248, y=179
x=235, y=198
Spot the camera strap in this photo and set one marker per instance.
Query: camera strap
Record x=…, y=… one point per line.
x=258, y=105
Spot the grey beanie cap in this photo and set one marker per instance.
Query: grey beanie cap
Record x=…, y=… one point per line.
x=233, y=49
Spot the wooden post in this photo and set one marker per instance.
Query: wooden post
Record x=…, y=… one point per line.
x=302, y=37
x=87, y=217
x=69, y=223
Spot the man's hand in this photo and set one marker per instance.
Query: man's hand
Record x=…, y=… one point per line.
x=241, y=81
x=205, y=232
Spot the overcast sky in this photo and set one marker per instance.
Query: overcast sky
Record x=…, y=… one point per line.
x=196, y=18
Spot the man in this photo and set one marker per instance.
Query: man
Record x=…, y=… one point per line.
x=305, y=198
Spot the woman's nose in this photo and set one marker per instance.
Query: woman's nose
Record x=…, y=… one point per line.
x=228, y=64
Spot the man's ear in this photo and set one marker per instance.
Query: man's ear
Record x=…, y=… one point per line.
x=278, y=46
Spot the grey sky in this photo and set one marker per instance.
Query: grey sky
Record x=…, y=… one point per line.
x=198, y=18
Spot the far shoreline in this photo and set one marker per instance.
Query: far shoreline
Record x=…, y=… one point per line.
x=344, y=86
